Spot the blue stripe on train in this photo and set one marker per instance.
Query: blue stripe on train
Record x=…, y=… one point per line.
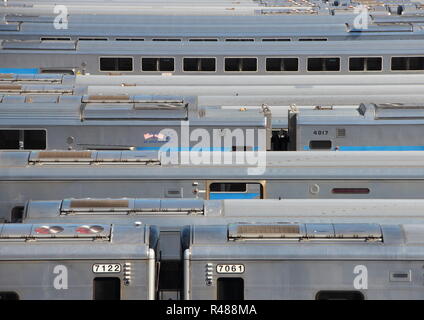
x=233, y=195
x=375, y=148
x=187, y=149
x=20, y=70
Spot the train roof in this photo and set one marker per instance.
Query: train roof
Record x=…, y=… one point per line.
x=176, y=213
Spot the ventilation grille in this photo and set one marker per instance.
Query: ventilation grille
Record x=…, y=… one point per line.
x=99, y=203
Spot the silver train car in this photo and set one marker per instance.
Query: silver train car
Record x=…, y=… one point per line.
x=303, y=261
x=122, y=122
x=216, y=175
x=77, y=262
x=171, y=216
x=221, y=58
x=370, y=127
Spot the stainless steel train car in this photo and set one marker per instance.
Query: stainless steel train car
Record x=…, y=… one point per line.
x=160, y=28
x=216, y=175
x=369, y=127
x=303, y=261
x=221, y=58
x=122, y=122
x=77, y=262
x=172, y=215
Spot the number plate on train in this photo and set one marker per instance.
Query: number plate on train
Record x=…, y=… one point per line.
x=107, y=268
x=230, y=268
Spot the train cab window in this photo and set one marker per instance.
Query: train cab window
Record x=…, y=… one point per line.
x=282, y=64
x=9, y=139
x=365, y=64
x=407, y=63
x=235, y=190
x=199, y=64
x=107, y=289
x=17, y=214
x=323, y=64
x=230, y=289
x=339, y=295
x=320, y=144
x=8, y=295
x=116, y=64
x=157, y=64
x=241, y=64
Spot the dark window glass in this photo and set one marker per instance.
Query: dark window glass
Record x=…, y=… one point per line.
x=199, y=64
x=116, y=64
x=282, y=64
x=313, y=39
x=323, y=64
x=276, y=39
x=206, y=40
x=365, y=64
x=8, y=296
x=339, y=295
x=17, y=214
x=157, y=64
x=107, y=289
x=240, y=64
x=162, y=39
x=34, y=139
x=407, y=63
x=230, y=289
x=228, y=187
x=320, y=144
x=9, y=139
x=234, y=40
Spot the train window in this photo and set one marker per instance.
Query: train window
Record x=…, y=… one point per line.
x=35, y=139
x=9, y=139
x=241, y=64
x=365, y=64
x=107, y=289
x=92, y=39
x=157, y=64
x=199, y=64
x=339, y=295
x=8, y=295
x=350, y=190
x=55, y=39
x=407, y=63
x=205, y=40
x=282, y=64
x=17, y=214
x=241, y=39
x=58, y=71
x=230, y=289
x=129, y=39
x=320, y=144
x=163, y=39
x=277, y=39
x=313, y=39
x=235, y=190
x=323, y=64
x=116, y=64
x=228, y=187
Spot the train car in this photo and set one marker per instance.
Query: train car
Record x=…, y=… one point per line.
x=389, y=126
x=219, y=58
x=77, y=262
x=123, y=122
x=172, y=215
x=45, y=175
x=322, y=261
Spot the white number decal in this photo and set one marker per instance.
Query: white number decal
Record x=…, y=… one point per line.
x=230, y=268
x=107, y=268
